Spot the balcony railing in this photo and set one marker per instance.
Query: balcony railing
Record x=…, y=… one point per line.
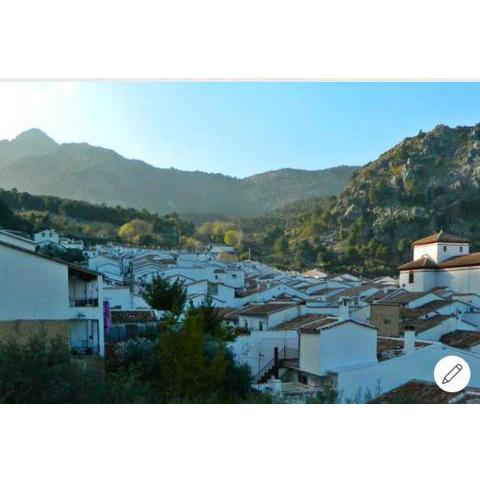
x=84, y=351
x=84, y=302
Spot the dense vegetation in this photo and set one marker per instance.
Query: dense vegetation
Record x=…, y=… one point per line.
x=35, y=163
x=184, y=361
x=90, y=222
x=426, y=183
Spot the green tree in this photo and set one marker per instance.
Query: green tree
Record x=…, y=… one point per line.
x=161, y=294
x=43, y=371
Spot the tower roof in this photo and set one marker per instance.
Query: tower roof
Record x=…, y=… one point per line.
x=424, y=263
x=441, y=237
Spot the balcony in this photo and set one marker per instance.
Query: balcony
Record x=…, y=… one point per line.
x=81, y=351
x=84, y=302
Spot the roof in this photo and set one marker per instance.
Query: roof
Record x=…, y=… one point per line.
x=227, y=313
x=389, y=347
x=302, y=321
x=440, y=237
x=133, y=316
x=417, y=391
x=405, y=297
x=264, y=309
x=424, y=324
x=328, y=322
x=421, y=263
x=356, y=291
x=461, y=339
x=471, y=260
x=425, y=309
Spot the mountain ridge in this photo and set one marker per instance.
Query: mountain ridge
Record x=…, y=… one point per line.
x=34, y=162
x=425, y=183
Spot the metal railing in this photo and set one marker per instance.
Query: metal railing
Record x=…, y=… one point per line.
x=81, y=351
x=84, y=302
x=284, y=353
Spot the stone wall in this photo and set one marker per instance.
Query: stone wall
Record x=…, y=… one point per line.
x=22, y=330
x=386, y=318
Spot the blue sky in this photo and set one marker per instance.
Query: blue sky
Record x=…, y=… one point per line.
x=237, y=129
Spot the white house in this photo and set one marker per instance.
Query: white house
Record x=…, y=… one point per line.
x=38, y=291
x=108, y=266
x=266, y=316
x=350, y=358
x=46, y=237
x=442, y=260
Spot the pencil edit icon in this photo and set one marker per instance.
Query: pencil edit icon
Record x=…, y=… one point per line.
x=452, y=374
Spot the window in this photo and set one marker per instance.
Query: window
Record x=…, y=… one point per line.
x=302, y=378
x=260, y=326
x=444, y=248
x=410, y=277
x=234, y=275
x=387, y=321
x=461, y=249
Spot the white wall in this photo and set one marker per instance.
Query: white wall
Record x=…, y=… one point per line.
x=309, y=359
x=437, y=253
x=118, y=297
x=356, y=383
x=31, y=287
x=257, y=349
x=345, y=345
x=423, y=280
x=462, y=280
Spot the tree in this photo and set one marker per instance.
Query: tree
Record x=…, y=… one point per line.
x=161, y=294
x=232, y=238
x=133, y=231
x=212, y=322
x=43, y=371
x=281, y=248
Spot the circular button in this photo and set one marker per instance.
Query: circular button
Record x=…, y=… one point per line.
x=452, y=374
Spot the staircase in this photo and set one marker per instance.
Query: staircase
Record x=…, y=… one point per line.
x=266, y=372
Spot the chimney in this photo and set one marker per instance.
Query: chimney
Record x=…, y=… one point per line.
x=344, y=310
x=409, y=339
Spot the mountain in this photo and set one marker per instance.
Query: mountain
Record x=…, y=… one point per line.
x=33, y=162
x=424, y=184
x=277, y=188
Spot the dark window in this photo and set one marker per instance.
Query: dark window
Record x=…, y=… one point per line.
x=461, y=249
x=410, y=277
x=444, y=248
x=302, y=378
x=387, y=321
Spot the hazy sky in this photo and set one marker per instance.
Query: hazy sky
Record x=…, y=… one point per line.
x=237, y=128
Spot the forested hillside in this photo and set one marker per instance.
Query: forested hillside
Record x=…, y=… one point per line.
x=423, y=184
x=35, y=163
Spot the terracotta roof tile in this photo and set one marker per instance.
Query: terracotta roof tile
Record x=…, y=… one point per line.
x=417, y=391
x=441, y=237
x=421, y=263
x=133, y=316
x=461, y=339
x=462, y=261
x=265, y=308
